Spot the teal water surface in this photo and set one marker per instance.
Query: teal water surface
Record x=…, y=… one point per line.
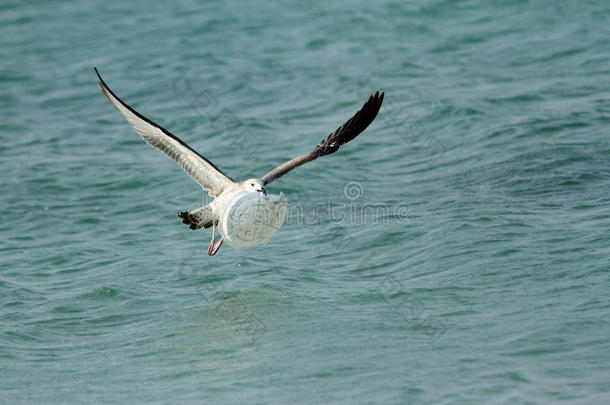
x=456, y=252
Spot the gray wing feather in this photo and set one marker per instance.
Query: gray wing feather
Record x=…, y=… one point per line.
x=345, y=133
x=199, y=168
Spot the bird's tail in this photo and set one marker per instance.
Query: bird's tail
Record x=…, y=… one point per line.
x=200, y=218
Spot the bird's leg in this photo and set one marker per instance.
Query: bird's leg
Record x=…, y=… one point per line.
x=217, y=246
x=212, y=241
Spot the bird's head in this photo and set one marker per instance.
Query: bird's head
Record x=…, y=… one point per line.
x=253, y=186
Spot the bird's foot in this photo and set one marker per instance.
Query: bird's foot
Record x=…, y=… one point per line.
x=211, y=247
x=216, y=247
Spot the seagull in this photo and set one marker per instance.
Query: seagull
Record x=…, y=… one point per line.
x=212, y=179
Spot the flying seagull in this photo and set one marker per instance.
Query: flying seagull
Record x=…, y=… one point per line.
x=212, y=179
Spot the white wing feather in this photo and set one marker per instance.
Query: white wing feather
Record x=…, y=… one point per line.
x=198, y=167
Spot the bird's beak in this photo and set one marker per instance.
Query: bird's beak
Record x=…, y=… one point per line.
x=262, y=190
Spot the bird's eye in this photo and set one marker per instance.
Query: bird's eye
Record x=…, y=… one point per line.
x=252, y=184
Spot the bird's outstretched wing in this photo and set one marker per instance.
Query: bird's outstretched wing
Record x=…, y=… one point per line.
x=331, y=144
x=199, y=168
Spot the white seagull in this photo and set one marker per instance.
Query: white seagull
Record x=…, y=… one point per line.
x=212, y=179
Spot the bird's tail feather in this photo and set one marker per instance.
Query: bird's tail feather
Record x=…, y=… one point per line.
x=200, y=218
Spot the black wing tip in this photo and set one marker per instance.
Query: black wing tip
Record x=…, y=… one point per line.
x=373, y=105
x=98, y=74
x=353, y=127
x=104, y=86
x=371, y=108
x=377, y=98
x=376, y=102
